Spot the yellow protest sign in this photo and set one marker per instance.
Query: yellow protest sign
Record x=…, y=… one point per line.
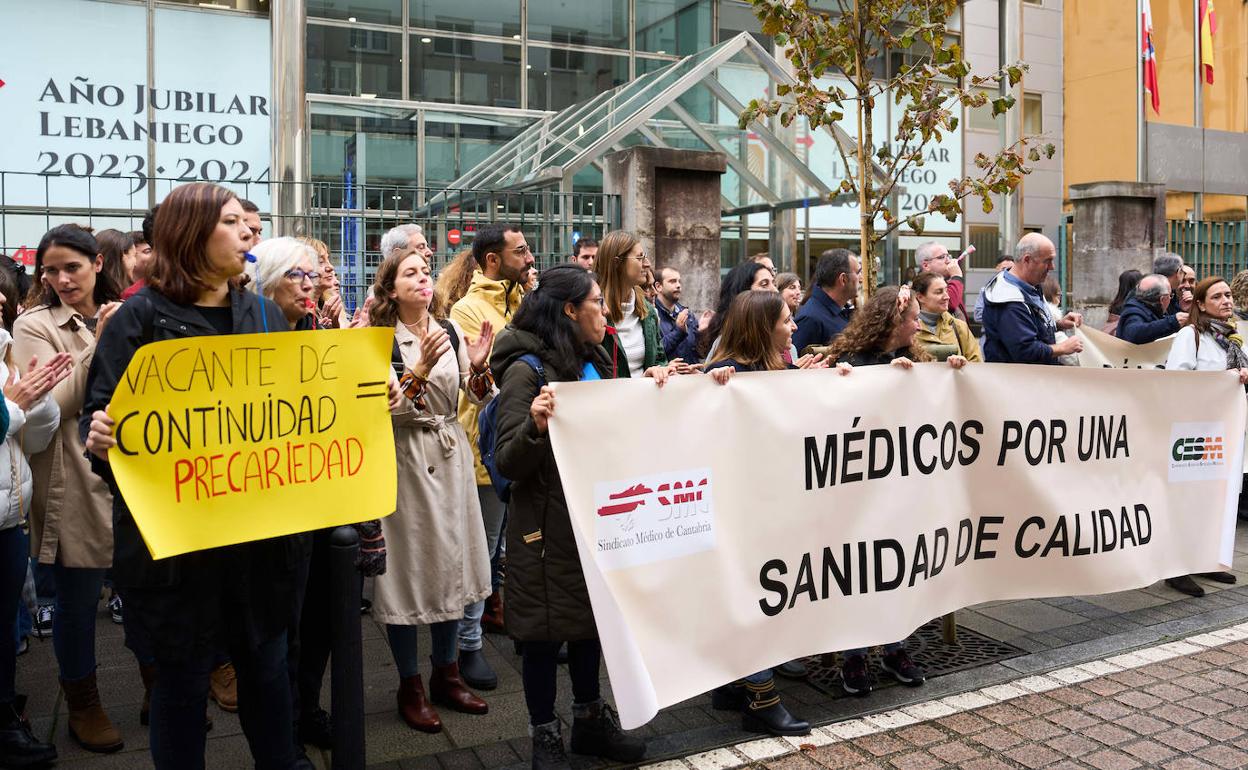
x=234, y=438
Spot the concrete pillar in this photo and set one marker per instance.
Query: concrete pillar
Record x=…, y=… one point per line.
x=288, y=200
x=670, y=200
x=1118, y=226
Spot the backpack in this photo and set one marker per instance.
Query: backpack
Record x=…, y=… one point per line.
x=487, y=433
x=396, y=358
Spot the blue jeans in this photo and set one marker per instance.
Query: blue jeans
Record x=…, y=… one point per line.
x=403, y=646
x=494, y=515
x=180, y=698
x=861, y=652
x=73, y=627
x=12, y=576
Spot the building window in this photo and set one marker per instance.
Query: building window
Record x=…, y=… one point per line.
x=363, y=11
x=561, y=78
x=986, y=240
x=1033, y=114
x=580, y=22
x=680, y=27
x=735, y=18
x=464, y=71
x=354, y=62
x=480, y=17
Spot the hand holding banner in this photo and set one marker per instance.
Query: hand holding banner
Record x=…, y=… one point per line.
x=827, y=512
x=234, y=438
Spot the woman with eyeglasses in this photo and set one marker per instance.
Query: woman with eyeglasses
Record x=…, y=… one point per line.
x=287, y=274
x=555, y=336
x=633, y=325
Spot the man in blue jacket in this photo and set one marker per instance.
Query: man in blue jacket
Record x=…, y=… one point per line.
x=678, y=329
x=826, y=313
x=1017, y=325
x=1145, y=315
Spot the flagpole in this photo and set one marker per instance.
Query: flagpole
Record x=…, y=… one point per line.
x=1198, y=118
x=1141, y=131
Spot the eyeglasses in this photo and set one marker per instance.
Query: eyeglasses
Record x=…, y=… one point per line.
x=602, y=301
x=298, y=276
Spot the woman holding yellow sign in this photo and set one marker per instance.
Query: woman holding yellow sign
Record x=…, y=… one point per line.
x=436, y=561
x=236, y=597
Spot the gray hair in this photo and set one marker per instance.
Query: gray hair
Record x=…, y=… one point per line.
x=395, y=238
x=1151, y=287
x=1030, y=243
x=274, y=259
x=924, y=252
x=1167, y=264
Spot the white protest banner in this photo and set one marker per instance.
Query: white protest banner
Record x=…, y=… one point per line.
x=1108, y=352
x=807, y=512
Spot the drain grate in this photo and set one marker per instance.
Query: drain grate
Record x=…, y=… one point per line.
x=928, y=649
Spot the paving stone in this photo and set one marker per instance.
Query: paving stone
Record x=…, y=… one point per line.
x=1224, y=756
x=998, y=739
x=1180, y=739
x=1038, y=729
x=955, y=752
x=1033, y=756
x=1072, y=745
x=719, y=759
x=916, y=761
x=764, y=749
x=1138, y=700
x=1142, y=724
x=1072, y=719
x=1110, y=735
x=1149, y=752
x=1107, y=709
x=881, y=744
x=1108, y=759
x=921, y=735
x=964, y=724
x=1215, y=729
x=838, y=755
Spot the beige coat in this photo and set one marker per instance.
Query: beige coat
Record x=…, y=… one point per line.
x=71, y=513
x=436, y=557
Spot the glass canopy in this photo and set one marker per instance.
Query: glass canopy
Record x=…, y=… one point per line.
x=695, y=104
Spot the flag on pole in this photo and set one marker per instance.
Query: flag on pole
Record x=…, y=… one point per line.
x=1208, y=26
x=1149, y=55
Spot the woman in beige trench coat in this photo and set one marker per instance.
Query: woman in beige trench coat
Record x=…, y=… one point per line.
x=71, y=515
x=436, y=556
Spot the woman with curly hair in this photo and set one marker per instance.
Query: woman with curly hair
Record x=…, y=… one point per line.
x=884, y=332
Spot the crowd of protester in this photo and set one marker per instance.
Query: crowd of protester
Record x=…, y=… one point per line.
x=475, y=348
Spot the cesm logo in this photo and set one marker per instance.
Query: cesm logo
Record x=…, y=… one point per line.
x=653, y=518
x=1196, y=451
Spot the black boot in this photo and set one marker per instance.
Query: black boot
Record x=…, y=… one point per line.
x=764, y=713
x=548, y=753
x=18, y=746
x=596, y=731
x=1185, y=584
x=476, y=671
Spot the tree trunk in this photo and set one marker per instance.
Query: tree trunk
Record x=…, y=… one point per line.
x=862, y=84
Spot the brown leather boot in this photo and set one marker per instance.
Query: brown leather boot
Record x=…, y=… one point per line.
x=447, y=688
x=148, y=673
x=89, y=725
x=492, y=618
x=223, y=687
x=415, y=709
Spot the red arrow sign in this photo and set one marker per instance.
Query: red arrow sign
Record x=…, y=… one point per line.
x=807, y=140
x=1, y=84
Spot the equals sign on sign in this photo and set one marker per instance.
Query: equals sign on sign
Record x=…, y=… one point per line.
x=378, y=394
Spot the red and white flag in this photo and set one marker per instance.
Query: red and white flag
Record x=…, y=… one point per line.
x=1149, y=55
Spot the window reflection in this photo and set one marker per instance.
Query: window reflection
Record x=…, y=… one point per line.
x=354, y=62
x=561, y=78
x=464, y=71
x=363, y=11
x=680, y=27
x=481, y=17
x=580, y=22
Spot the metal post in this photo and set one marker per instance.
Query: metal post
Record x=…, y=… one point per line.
x=151, y=109
x=347, y=656
x=1009, y=30
x=1141, y=128
x=288, y=110
x=1198, y=109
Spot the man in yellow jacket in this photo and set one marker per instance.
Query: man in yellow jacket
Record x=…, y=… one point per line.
x=503, y=259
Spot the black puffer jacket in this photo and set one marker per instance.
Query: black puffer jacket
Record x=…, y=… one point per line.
x=546, y=595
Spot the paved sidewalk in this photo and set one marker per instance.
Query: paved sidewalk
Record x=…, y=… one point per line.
x=1049, y=633
x=1178, y=706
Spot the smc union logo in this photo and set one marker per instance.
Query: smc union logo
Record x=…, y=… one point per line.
x=1197, y=451
x=653, y=518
